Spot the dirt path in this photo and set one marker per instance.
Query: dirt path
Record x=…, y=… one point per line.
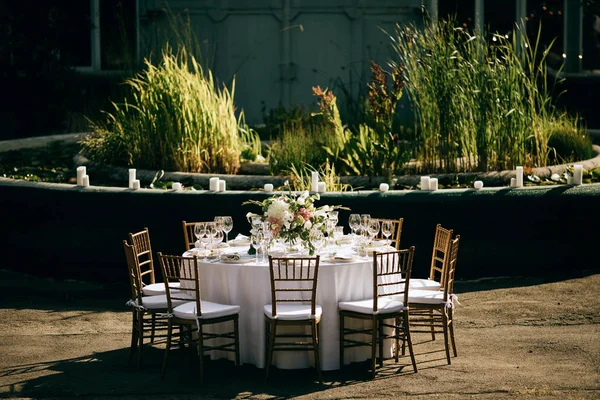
x=516, y=338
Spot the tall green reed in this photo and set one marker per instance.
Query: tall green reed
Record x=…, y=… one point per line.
x=478, y=106
x=176, y=119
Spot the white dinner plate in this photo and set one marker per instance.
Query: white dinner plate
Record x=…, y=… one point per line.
x=239, y=243
x=340, y=259
x=242, y=260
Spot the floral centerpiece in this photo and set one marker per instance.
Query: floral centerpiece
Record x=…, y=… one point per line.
x=293, y=217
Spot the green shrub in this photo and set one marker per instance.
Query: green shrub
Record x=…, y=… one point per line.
x=567, y=142
x=478, y=106
x=175, y=120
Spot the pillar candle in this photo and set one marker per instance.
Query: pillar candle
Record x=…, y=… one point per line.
x=85, y=181
x=214, y=184
x=384, y=187
x=268, y=187
x=321, y=187
x=478, y=185
x=433, y=184
x=222, y=185
x=577, y=174
x=519, y=176
x=176, y=186
x=80, y=173
x=425, y=183
x=513, y=182
x=135, y=185
x=314, y=186
x=131, y=177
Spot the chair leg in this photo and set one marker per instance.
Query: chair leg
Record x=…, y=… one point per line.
x=236, y=332
x=373, y=346
x=446, y=343
x=167, y=348
x=271, y=345
x=380, y=341
x=140, y=338
x=397, y=333
x=341, y=341
x=153, y=328
x=201, y=351
x=431, y=317
x=134, y=333
x=451, y=326
x=408, y=340
x=315, y=340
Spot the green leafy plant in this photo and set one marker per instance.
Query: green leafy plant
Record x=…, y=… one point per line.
x=477, y=106
x=176, y=119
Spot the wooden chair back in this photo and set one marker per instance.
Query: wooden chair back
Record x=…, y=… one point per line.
x=441, y=250
x=135, y=280
x=396, y=233
x=188, y=233
x=391, y=274
x=143, y=252
x=184, y=270
x=451, y=268
x=294, y=280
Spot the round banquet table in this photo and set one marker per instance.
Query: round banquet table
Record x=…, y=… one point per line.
x=248, y=285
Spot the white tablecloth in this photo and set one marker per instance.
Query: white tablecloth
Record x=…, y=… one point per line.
x=248, y=285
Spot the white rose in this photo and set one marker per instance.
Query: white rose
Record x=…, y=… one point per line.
x=308, y=225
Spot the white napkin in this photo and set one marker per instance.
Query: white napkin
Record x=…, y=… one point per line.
x=241, y=238
x=345, y=257
x=230, y=257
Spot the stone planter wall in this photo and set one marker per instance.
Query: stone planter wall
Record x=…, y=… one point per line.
x=63, y=231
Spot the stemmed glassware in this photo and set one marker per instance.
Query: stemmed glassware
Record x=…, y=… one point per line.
x=219, y=224
x=318, y=240
x=199, y=229
x=212, y=229
x=373, y=228
x=354, y=222
x=227, y=227
x=364, y=226
x=257, y=239
x=387, y=227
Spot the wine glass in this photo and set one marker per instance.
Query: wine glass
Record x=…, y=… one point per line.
x=257, y=240
x=364, y=225
x=219, y=223
x=317, y=239
x=198, y=230
x=217, y=238
x=211, y=227
x=387, y=227
x=354, y=222
x=373, y=228
x=204, y=240
x=227, y=227
x=333, y=216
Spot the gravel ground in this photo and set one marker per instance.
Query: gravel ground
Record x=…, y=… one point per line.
x=522, y=338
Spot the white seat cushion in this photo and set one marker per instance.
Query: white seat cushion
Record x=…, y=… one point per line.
x=160, y=301
x=158, y=288
x=424, y=284
x=425, y=297
x=384, y=305
x=209, y=310
x=293, y=312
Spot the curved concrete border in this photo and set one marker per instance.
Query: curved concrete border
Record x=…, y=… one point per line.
x=249, y=182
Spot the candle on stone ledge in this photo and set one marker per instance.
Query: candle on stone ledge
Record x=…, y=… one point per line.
x=314, y=185
x=425, y=183
x=433, y=184
x=513, y=182
x=268, y=187
x=384, y=187
x=321, y=187
x=85, y=181
x=478, y=185
x=176, y=186
x=222, y=185
x=214, y=184
x=135, y=185
x=131, y=177
x=80, y=173
x=577, y=174
x=519, y=176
